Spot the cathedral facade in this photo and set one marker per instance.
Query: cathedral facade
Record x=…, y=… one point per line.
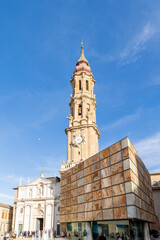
x=37, y=206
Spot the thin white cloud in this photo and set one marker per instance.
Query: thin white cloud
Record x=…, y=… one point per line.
x=6, y=196
x=133, y=48
x=137, y=44
x=156, y=81
x=12, y=178
x=102, y=57
x=149, y=151
x=121, y=121
x=47, y=116
x=51, y=165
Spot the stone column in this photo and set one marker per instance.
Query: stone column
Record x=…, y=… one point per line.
x=24, y=213
x=16, y=221
x=69, y=146
x=30, y=220
x=53, y=215
x=14, y=217
x=44, y=218
x=146, y=231
x=83, y=109
x=72, y=148
x=89, y=231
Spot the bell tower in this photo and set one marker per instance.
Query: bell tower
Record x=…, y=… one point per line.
x=82, y=132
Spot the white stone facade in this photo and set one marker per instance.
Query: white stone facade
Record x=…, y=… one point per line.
x=38, y=205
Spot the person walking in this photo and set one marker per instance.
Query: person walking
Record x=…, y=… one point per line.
x=4, y=238
x=85, y=235
x=119, y=238
x=102, y=237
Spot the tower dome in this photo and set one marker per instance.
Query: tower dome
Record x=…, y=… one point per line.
x=82, y=64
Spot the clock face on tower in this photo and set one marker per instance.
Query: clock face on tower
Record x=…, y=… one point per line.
x=78, y=139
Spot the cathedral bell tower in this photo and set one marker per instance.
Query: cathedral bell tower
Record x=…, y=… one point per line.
x=82, y=132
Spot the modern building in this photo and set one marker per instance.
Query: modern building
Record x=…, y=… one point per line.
x=6, y=212
x=155, y=180
x=37, y=205
x=107, y=192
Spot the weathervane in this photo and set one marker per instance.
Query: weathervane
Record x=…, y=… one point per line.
x=82, y=44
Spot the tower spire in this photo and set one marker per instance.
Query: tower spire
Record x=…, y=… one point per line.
x=82, y=57
x=82, y=63
x=82, y=131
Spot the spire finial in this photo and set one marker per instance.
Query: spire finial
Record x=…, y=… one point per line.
x=82, y=57
x=20, y=181
x=42, y=173
x=82, y=44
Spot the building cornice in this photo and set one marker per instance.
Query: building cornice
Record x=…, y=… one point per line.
x=84, y=126
x=5, y=206
x=156, y=173
x=82, y=73
x=34, y=199
x=82, y=97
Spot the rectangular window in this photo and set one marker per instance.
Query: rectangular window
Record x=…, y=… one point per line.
x=79, y=227
x=69, y=227
x=80, y=109
x=111, y=229
x=87, y=86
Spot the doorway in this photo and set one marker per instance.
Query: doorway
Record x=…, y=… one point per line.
x=58, y=229
x=19, y=228
x=39, y=224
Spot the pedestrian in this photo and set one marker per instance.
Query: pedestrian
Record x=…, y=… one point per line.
x=4, y=238
x=102, y=237
x=7, y=235
x=85, y=235
x=119, y=238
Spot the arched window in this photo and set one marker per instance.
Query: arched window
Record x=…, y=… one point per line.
x=40, y=189
x=80, y=85
x=30, y=192
x=80, y=109
x=51, y=191
x=39, y=206
x=88, y=107
x=87, y=85
x=21, y=210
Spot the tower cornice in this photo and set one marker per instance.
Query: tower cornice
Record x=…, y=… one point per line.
x=82, y=73
x=83, y=98
x=84, y=126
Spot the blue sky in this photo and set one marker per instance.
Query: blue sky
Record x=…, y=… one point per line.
x=39, y=47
